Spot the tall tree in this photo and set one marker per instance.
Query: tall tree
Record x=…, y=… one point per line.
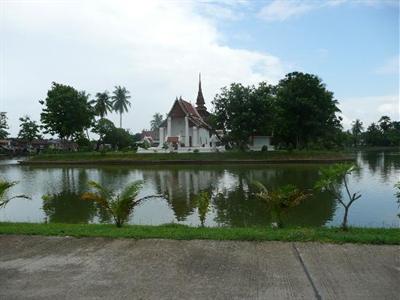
x=155, y=123
x=29, y=129
x=120, y=101
x=385, y=123
x=66, y=111
x=102, y=104
x=373, y=135
x=3, y=125
x=243, y=111
x=306, y=110
x=356, y=130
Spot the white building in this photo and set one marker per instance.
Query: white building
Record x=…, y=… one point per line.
x=186, y=125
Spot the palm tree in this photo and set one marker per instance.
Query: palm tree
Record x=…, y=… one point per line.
x=120, y=101
x=102, y=104
x=155, y=123
x=4, y=186
x=280, y=200
x=119, y=206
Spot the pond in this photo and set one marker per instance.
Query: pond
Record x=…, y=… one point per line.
x=232, y=199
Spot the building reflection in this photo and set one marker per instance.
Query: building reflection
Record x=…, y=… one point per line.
x=179, y=187
x=233, y=197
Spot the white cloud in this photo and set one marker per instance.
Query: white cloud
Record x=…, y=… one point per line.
x=369, y=109
x=154, y=48
x=389, y=67
x=281, y=10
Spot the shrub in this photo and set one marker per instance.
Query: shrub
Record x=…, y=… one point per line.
x=331, y=180
x=119, y=206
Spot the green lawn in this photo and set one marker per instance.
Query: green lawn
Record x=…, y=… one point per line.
x=193, y=157
x=388, y=236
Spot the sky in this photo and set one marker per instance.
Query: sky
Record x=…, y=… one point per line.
x=156, y=49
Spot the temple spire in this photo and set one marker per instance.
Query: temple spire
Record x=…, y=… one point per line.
x=200, y=99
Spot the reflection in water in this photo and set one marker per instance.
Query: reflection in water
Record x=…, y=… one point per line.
x=232, y=200
x=180, y=186
x=68, y=207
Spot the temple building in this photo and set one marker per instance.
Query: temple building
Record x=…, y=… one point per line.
x=187, y=125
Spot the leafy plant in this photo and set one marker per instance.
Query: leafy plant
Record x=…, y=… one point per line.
x=203, y=206
x=4, y=186
x=331, y=180
x=281, y=200
x=119, y=206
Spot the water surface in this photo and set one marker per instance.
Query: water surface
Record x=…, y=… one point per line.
x=233, y=202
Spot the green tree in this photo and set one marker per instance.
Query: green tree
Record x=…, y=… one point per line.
x=66, y=111
x=104, y=128
x=102, y=104
x=120, y=101
x=4, y=187
x=357, y=130
x=155, y=123
x=281, y=200
x=374, y=135
x=119, y=206
x=306, y=110
x=385, y=123
x=3, y=125
x=243, y=111
x=29, y=129
x=331, y=180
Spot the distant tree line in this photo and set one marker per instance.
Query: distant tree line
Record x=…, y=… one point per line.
x=299, y=113
x=385, y=133
x=70, y=114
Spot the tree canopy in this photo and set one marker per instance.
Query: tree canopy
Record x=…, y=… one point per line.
x=244, y=111
x=120, y=101
x=155, y=123
x=66, y=111
x=305, y=110
x=3, y=125
x=102, y=104
x=29, y=129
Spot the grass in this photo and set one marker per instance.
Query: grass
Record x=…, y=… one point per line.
x=123, y=157
x=387, y=236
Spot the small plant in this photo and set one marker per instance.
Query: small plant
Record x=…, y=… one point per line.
x=331, y=180
x=4, y=186
x=196, y=151
x=281, y=200
x=119, y=206
x=203, y=206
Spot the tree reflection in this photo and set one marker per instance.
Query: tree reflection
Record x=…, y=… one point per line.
x=239, y=207
x=67, y=206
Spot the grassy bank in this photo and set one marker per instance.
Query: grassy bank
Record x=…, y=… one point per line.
x=180, y=232
x=226, y=157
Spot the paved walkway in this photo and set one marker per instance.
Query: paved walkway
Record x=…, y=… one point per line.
x=93, y=268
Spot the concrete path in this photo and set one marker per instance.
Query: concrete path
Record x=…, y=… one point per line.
x=93, y=268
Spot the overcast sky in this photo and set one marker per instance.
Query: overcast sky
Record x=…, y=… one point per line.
x=157, y=48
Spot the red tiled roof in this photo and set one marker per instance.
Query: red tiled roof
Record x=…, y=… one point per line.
x=173, y=139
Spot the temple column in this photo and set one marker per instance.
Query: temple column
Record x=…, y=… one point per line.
x=195, y=140
x=169, y=127
x=161, y=136
x=187, y=132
